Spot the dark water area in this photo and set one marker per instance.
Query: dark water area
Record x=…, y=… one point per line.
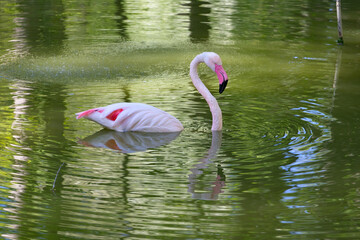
x=286, y=164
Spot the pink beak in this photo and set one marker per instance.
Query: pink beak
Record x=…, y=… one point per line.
x=85, y=113
x=222, y=76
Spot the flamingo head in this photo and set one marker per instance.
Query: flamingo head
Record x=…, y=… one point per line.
x=213, y=61
x=90, y=114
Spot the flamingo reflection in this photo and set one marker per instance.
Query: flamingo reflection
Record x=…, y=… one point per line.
x=128, y=142
x=213, y=192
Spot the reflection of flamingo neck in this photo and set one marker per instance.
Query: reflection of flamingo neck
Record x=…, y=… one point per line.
x=203, y=164
x=210, y=99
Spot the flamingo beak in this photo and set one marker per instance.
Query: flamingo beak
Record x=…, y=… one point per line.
x=85, y=113
x=222, y=76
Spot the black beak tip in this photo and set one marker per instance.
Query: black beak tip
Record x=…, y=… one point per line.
x=222, y=86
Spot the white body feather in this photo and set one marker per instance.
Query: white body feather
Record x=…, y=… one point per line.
x=134, y=117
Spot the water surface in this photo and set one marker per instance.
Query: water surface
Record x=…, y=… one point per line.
x=284, y=166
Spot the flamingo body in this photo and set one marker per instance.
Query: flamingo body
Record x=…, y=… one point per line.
x=124, y=117
x=140, y=117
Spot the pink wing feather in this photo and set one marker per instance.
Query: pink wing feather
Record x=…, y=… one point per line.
x=113, y=116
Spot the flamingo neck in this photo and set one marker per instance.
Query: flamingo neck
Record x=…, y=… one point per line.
x=210, y=99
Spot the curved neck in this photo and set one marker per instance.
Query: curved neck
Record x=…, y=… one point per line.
x=210, y=99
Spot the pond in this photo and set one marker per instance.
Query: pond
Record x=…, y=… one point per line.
x=286, y=164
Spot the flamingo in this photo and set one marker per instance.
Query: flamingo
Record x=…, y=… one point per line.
x=141, y=117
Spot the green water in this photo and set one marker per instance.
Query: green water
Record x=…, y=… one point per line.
x=286, y=165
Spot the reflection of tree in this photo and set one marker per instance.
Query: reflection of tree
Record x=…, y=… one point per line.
x=199, y=21
x=345, y=130
x=38, y=128
x=43, y=24
x=121, y=19
x=7, y=25
x=17, y=186
x=336, y=75
x=281, y=20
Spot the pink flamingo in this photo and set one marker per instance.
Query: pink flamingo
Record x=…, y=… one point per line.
x=141, y=117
